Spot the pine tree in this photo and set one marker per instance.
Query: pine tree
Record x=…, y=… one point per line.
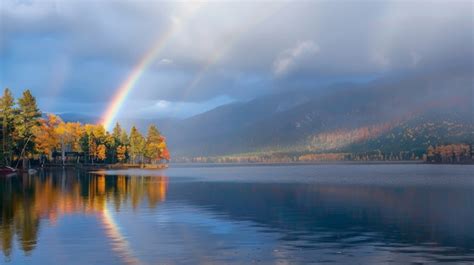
x=26, y=119
x=110, y=144
x=7, y=115
x=84, y=142
x=117, y=132
x=137, y=145
x=124, y=138
x=154, y=145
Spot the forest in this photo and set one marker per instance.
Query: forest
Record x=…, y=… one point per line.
x=28, y=135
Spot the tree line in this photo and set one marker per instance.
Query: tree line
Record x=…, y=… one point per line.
x=449, y=153
x=26, y=134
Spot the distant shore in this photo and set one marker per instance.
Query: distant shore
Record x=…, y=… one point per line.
x=191, y=164
x=236, y=164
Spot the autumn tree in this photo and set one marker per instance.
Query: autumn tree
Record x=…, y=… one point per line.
x=92, y=137
x=101, y=152
x=122, y=143
x=121, y=153
x=46, y=136
x=7, y=115
x=165, y=154
x=69, y=135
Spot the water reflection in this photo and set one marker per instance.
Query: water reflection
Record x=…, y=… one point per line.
x=25, y=200
x=68, y=217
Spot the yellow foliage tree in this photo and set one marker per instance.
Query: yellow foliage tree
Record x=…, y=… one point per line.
x=121, y=153
x=101, y=152
x=46, y=135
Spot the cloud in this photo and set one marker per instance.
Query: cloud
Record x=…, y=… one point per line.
x=81, y=51
x=165, y=61
x=288, y=59
x=175, y=109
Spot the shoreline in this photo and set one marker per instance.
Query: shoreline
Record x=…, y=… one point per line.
x=107, y=166
x=242, y=164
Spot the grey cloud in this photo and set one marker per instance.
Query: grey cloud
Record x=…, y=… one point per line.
x=289, y=58
x=238, y=49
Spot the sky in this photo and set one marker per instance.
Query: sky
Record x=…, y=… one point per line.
x=75, y=55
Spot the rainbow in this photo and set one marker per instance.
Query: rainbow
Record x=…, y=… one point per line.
x=127, y=85
x=119, y=242
x=217, y=55
x=125, y=88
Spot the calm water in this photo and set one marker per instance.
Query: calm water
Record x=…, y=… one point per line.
x=357, y=214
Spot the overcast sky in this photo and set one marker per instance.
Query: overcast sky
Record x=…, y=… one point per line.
x=74, y=55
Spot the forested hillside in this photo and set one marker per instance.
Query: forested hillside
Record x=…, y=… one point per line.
x=384, y=115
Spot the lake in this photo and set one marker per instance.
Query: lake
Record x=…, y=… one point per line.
x=281, y=214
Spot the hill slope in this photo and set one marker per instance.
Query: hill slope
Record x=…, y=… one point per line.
x=354, y=118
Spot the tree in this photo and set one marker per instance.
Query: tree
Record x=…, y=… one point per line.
x=7, y=115
x=154, y=144
x=124, y=140
x=101, y=152
x=165, y=154
x=26, y=119
x=137, y=145
x=96, y=135
x=117, y=132
x=110, y=144
x=121, y=153
x=84, y=143
x=46, y=136
x=92, y=149
x=69, y=135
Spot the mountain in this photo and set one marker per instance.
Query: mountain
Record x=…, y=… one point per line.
x=347, y=118
x=78, y=117
x=390, y=114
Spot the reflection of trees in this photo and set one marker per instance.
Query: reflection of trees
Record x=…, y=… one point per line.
x=25, y=200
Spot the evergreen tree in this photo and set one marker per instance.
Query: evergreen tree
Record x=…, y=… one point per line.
x=154, y=145
x=124, y=138
x=117, y=132
x=7, y=115
x=124, y=146
x=113, y=145
x=84, y=142
x=26, y=119
x=137, y=145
